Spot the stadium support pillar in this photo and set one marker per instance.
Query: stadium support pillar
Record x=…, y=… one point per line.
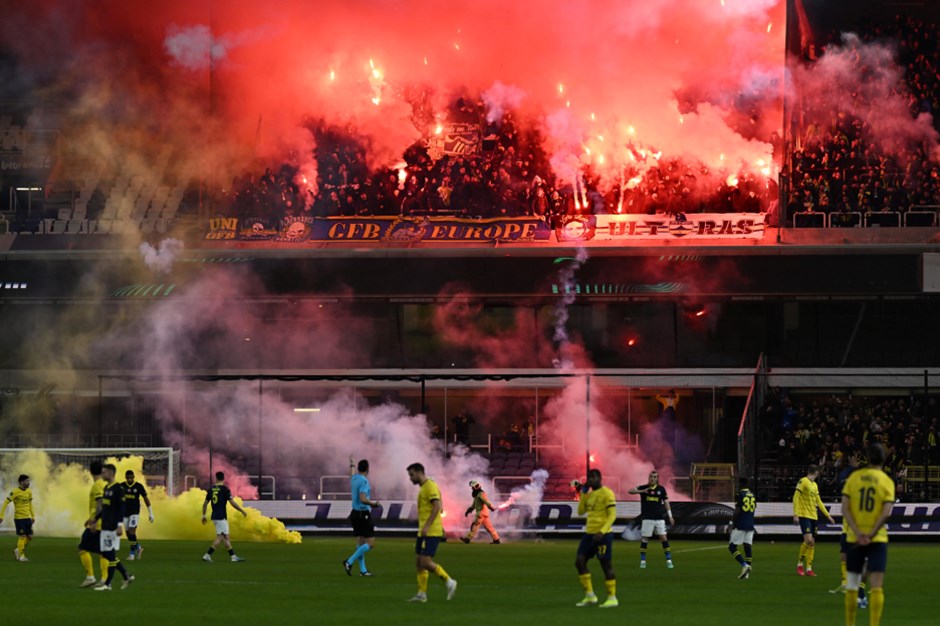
x=587, y=425
x=260, y=433
x=100, y=415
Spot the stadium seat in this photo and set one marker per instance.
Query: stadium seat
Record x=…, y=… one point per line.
x=58, y=227
x=74, y=227
x=65, y=214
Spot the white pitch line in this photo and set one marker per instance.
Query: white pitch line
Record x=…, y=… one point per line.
x=701, y=549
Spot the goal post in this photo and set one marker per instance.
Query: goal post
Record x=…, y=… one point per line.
x=161, y=466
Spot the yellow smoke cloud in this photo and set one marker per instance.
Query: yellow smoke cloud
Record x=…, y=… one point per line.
x=60, y=503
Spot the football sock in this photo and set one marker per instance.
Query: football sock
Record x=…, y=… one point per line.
x=440, y=573
x=120, y=568
x=105, y=564
x=877, y=606
x=810, y=554
x=748, y=555
x=643, y=545
x=851, y=606
x=736, y=554
x=21, y=544
x=85, y=557
x=423, y=581
x=666, y=550
x=210, y=550
x=585, y=580
x=803, y=549
x=231, y=551
x=360, y=552
x=362, y=564
x=861, y=591
x=843, y=573
x=611, y=588
x=111, y=569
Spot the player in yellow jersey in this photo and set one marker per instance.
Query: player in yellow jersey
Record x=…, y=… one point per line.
x=600, y=506
x=23, y=516
x=90, y=542
x=430, y=533
x=806, y=503
x=867, y=499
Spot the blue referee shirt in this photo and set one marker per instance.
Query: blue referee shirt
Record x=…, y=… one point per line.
x=360, y=484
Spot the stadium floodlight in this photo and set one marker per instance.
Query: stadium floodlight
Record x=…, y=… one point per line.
x=311, y=409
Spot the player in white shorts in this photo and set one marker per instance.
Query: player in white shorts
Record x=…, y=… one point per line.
x=654, y=511
x=743, y=527
x=219, y=496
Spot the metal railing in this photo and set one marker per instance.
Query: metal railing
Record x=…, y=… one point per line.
x=331, y=493
x=919, y=216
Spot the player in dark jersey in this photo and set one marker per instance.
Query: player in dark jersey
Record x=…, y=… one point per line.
x=133, y=492
x=111, y=515
x=743, y=527
x=219, y=496
x=654, y=511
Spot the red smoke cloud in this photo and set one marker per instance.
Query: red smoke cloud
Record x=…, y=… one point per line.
x=598, y=78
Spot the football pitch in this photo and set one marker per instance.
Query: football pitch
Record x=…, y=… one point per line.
x=522, y=582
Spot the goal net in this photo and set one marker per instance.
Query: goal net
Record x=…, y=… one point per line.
x=161, y=466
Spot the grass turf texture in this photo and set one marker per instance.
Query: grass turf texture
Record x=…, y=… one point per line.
x=521, y=582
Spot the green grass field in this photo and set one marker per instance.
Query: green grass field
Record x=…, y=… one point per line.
x=516, y=583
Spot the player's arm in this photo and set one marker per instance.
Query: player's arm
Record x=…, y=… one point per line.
x=611, y=517
x=469, y=510
x=487, y=503
x=365, y=500
x=796, y=502
x=352, y=466
x=205, y=505
x=32, y=513
x=882, y=518
x=4, y=509
x=822, y=507
x=435, y=511
x=638, y=490
x=668, y=511
x=149, y=507
x=583, y=500
x=850, y=517
x=238, y=508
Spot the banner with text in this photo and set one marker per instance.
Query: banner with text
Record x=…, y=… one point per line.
x=429, y=229
x=680, y=226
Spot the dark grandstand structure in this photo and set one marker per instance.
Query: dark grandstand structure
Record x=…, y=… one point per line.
x=795, y=314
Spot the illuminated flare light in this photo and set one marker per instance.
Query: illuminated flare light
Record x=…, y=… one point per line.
x=631, y=342
x=592, y=117
x=732, y=180
x=765, y=171
x=425, y=60
x=700, y=313
x=402, y=176
x=457, y=46
x=438, y=129
x=593, y=460
x=568, y=104
x=600, y=159
x=631, y=130
x=376, y=101
x=332, y=75
x=769, y=26
x=681, y=120
x=633, y=182
x=561, y=89
x=443, y=514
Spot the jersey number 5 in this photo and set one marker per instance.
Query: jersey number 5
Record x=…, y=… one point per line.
x=215, y=497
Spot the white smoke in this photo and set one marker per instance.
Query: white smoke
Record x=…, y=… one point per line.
x=161, y=258
x=499, y=98
x=568, y=295
x=194, y=47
